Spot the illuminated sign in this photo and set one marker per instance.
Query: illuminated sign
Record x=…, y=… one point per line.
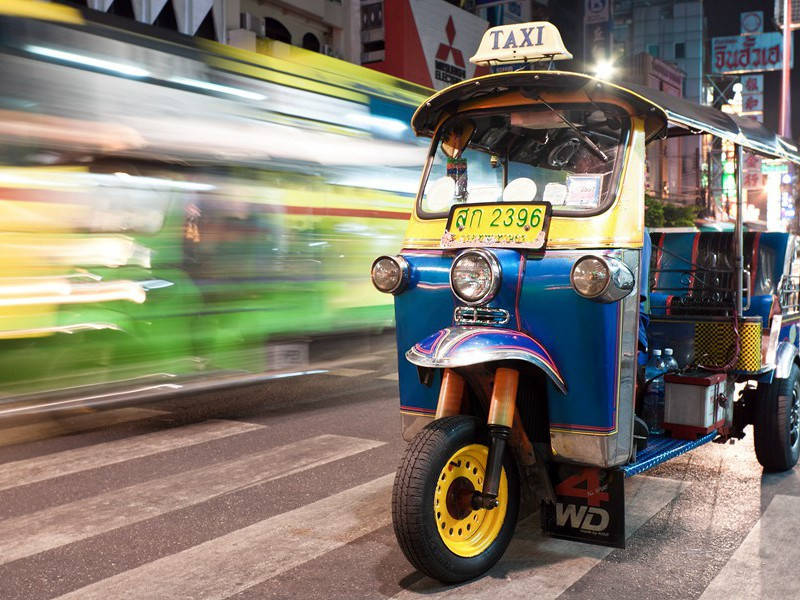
x=747, y=53
x=521, y=42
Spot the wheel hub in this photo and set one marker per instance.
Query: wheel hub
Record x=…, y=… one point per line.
x=459, y=498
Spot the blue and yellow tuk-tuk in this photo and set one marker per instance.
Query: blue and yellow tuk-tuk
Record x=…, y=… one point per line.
x=519, y=306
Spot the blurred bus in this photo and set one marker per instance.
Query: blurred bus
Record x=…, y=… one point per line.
x=178, y=214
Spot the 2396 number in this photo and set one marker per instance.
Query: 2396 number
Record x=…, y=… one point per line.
x=507, y=217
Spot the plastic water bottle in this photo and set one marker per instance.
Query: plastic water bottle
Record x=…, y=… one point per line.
x=670, y=364
x=654, y=398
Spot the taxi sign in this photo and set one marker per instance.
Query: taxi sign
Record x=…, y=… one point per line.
x=499, y=224
x=521, y=42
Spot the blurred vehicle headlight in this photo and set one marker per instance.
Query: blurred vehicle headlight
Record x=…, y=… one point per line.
x=475, y=276
x=390, y=274
x=605, y=279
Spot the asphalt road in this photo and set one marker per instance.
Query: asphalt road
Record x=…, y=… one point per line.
x=282, y=490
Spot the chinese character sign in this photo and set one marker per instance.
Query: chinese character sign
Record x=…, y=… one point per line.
x=752, y=172
x=752, y=84
x=747, y=53
x=752, y=102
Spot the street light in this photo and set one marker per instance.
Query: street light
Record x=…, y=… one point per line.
x=604, y=69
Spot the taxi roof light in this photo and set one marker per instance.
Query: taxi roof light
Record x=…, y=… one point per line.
x=521, y=42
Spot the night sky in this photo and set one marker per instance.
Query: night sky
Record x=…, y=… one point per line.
x=722, y=18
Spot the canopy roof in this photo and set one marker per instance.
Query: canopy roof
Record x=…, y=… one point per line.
x=687, y=118
x=664, y=115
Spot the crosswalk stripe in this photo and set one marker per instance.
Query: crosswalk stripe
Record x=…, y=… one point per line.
x=232, y=563
x=53, y=527
x=41, y=468
x=535, y=566
x=74, y=424
x=349, y=372
x=763, y=565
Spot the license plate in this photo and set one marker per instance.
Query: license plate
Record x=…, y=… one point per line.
x=522, y=225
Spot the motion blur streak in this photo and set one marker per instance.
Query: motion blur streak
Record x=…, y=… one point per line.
x=188, y=210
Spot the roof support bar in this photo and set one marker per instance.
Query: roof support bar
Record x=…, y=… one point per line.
x=739, y=264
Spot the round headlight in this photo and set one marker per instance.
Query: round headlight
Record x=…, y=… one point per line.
x=390, y=274
x=475, y=276
x=590, y=276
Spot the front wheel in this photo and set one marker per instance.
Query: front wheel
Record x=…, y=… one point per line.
x=437, y=528
x=777, y=423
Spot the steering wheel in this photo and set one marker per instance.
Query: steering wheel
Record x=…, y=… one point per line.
x=563, y=152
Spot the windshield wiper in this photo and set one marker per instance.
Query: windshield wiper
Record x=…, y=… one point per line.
x=581, y=136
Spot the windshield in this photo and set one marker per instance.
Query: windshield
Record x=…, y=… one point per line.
x=565, y=156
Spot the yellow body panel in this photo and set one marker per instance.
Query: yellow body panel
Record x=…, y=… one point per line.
x=46, y=11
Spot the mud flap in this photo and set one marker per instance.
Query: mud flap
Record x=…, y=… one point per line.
x=589, y=506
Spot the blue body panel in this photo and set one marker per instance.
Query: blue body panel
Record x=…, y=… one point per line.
x=572, y=331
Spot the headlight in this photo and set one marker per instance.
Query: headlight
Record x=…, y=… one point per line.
x=390, y=274
x=604, y=279
x=475, y=276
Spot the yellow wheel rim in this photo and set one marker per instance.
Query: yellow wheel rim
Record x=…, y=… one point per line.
x=467, y=532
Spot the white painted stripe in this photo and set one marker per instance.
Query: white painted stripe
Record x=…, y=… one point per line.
x=74, y=424
x=535, y=566
x=349, y=372
x=41, y=468
x=764, y=565
x=232, y=563
x=389, y=377
x=53, y=527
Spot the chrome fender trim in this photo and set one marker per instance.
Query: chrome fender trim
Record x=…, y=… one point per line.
x=784, y=359
x=463, y=346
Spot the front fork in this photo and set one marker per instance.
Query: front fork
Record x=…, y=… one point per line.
x=500, y=422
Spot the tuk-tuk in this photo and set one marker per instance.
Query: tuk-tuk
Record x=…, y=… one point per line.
x=520, y=317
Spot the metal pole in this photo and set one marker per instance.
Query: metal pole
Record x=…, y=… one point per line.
x=786, y=124
x=739, y=229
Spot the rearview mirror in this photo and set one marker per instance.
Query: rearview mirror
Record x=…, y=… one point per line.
x=455, y=141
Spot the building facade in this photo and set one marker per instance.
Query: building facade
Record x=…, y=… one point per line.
x=660, y=44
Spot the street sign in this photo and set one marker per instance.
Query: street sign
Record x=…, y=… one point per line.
x=752, y=102
x=752, y=22
x=773, y=167
x=752, y=84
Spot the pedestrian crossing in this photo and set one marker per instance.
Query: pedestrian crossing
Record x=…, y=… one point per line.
x=249, y=556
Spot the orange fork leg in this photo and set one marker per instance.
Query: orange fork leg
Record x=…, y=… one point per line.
x=450, y=394
x=501, y=420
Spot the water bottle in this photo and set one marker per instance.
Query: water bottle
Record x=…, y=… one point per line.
x=670, y=364
x=654, y=398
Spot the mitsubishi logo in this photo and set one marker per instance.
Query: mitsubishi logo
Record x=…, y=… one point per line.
x=446, y=71
x=444, y=49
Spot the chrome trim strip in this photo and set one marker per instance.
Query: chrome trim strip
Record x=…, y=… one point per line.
x=784, y=359
x=468, y=315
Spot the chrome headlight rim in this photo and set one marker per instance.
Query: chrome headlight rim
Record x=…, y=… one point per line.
x=494, y=267
x=620, y=281
x=405, y=274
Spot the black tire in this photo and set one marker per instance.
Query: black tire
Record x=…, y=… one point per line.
x=777, y=423
x=416, y=520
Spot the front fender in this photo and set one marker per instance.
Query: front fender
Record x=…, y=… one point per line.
x=464, y=346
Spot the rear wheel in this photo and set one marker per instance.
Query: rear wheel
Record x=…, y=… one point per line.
x=777, y=423
x=437, y=528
